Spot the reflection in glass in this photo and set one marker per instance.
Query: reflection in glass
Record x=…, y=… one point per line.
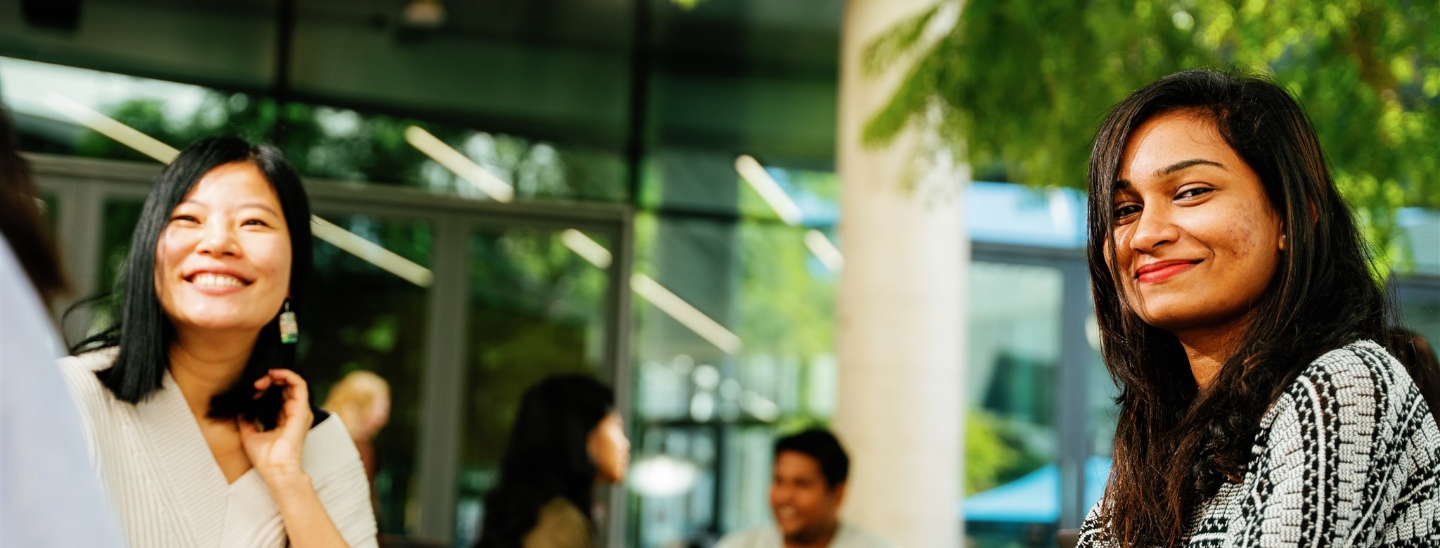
x=1010, y=435
x=176, y=114
x=536, y=309
x=717, y=412
x=342, y=144
x=363, y=318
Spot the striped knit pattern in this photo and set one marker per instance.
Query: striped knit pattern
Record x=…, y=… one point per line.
x=168, y=490
x=1348, y=456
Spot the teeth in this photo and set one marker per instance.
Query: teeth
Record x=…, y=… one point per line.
x=217, y=280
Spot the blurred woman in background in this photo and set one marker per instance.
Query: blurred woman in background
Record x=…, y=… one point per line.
x=200, y=429
x=567, y=440
x=1239, y=317
x=362, y=401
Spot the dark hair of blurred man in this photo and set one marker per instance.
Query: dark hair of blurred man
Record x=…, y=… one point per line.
x=807, y=488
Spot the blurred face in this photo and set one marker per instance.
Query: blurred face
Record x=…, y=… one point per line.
x=610, y=449
x=378, y=413
x=223, y=260
x=806, y=508
x=1196, y=239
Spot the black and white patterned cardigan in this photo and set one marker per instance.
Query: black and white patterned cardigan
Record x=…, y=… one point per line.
x=1349, y=456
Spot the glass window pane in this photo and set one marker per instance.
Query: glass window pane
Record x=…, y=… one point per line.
x=536, y=309
x=1420, y=307
x=229, y=43
x=703, y=410
x=1012, y=482
x=341, y=144
x=363, y=318
x=175, y=114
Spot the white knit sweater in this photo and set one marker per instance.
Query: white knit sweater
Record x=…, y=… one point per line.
x=169, y=491
x=1348, y=456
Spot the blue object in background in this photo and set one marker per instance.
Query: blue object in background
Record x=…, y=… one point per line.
x=1035, y=497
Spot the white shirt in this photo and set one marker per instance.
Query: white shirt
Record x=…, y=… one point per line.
x=48, y=493
x=170, y=492
x=846, y=536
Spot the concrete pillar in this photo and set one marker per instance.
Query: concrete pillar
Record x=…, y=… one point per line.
x=901, y=307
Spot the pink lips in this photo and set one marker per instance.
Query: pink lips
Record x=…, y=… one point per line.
x=1158, y=272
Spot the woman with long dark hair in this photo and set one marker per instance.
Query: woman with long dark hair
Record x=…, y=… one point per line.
x=199, y=427
x=1239, y=316
x=566, y=441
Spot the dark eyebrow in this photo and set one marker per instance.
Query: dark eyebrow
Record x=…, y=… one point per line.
x=248, y=205
x=259, y=205
x=1177, y=166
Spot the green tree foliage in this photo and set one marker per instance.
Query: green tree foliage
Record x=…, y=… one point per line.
x=1021, y=85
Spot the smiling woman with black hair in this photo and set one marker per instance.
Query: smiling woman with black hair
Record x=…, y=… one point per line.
x=1238, y=315
x=199, y=428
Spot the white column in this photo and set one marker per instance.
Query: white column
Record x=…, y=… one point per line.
x=901, y=307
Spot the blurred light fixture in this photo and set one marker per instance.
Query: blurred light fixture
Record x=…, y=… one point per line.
x=755, y=174
x=459, y=164
x=112, y=128
x=371, y=252
x=424, y=14
x=825, y=250
x=663, y=476
x=769, y=190
x=683, y=312
x=325, y=230
x=586, y=248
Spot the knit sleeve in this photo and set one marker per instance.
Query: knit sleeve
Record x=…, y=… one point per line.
x=340, y=482
x=1334, y=455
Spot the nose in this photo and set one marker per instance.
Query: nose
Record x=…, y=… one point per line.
x=1154, y=228
x=218, y=240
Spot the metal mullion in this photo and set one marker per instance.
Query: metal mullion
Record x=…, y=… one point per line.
x=1073, y=390
x=78, y=237
x=618, y=339
x=444, y=378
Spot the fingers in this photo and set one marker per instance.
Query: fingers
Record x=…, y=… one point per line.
x=247, y=428
x=261, y=385
x=295, y=415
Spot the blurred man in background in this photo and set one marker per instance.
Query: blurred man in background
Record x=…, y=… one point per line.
x=806, y=490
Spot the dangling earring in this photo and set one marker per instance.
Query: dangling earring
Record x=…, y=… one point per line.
x=289, y=329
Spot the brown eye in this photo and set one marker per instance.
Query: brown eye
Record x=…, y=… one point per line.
x=1126, y=210
x=1193, y=192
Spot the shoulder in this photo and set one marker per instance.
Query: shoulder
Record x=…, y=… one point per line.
x=1358, y=385
x=329, y=449
x=1357, y=374
x=559, y=524
x=751, y=538
x=853, y=536
x=560, y=510
x=79, y=374
x=1362, y=362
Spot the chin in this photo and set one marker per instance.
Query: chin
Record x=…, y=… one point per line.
x=221, y=324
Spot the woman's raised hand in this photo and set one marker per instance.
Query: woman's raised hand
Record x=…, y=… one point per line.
x=276, y=453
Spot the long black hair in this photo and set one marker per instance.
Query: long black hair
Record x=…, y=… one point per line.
x=1175, y=444
x=548, y=457
x=141, y=330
